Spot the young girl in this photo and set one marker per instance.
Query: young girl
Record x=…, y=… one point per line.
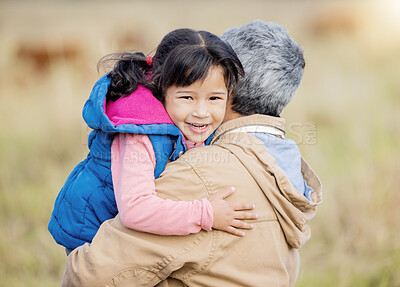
x=133, y=136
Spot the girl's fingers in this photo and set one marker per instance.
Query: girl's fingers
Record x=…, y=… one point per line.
x=245, y=215
x=242, y=206
x=228, y=192
x=224, y=193
x=234, y=231
x=241, y=224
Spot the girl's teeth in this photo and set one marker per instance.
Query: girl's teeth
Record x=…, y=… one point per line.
x=198, y=127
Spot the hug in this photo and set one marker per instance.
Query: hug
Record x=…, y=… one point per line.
x=142, y=210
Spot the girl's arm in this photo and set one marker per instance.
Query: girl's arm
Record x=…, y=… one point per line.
x=132, y=166
x=133, y=163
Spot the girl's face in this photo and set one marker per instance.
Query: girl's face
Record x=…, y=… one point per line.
x=197, y=110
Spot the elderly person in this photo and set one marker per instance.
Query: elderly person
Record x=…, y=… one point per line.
x=249, y=151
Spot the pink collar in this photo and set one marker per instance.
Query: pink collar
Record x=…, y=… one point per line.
x=190, y=144
x=139, y=108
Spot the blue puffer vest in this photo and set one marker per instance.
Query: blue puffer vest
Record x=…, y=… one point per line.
x=87, y=197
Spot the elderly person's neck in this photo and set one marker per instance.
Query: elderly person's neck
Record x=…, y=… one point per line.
x=230, y=114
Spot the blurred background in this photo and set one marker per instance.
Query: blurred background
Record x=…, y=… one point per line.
x=345, y=118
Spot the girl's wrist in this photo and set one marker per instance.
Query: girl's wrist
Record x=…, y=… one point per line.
x=206, y=215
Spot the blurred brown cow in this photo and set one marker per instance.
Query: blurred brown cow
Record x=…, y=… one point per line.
x=334, y=21
x=40, y=56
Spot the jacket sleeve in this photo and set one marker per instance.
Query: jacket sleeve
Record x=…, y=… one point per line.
x=119, y=256
x=132, y=165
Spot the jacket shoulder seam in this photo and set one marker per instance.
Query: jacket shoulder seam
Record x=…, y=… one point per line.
x=200, y=177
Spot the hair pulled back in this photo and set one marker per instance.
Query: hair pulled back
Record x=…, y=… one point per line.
x=182, y=57
x=129, y=71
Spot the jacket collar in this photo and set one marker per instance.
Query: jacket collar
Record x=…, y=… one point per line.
x=292, y=208
x=223, y=137
x=253, y=120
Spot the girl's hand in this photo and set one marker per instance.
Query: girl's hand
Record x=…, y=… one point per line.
x=228, y=215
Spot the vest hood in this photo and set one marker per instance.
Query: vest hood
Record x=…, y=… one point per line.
x=136, y=113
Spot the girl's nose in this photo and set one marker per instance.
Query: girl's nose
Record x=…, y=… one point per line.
x=201, y=110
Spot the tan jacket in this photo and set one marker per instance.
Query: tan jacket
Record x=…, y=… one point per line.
x=266, y=256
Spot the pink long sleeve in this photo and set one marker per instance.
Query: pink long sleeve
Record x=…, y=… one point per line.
x=132, y=166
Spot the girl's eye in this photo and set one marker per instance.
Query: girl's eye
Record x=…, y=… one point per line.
x=214, y=98
x=185, y=97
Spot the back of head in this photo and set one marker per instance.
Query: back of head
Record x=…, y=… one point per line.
x=273, y=65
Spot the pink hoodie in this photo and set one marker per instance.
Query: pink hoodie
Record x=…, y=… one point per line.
x=132, y=166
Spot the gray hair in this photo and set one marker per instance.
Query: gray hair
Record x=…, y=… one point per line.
x=273, y=65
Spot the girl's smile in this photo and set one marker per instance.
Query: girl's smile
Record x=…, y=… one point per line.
x=198, y=128
x=198, y=109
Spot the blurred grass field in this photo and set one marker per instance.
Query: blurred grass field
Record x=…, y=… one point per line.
x=345, y=118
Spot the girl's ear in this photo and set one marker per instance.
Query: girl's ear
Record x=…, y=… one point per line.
x=231, y=93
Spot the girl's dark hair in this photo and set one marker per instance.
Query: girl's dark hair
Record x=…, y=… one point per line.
x=130, y=70
x=183, y=57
